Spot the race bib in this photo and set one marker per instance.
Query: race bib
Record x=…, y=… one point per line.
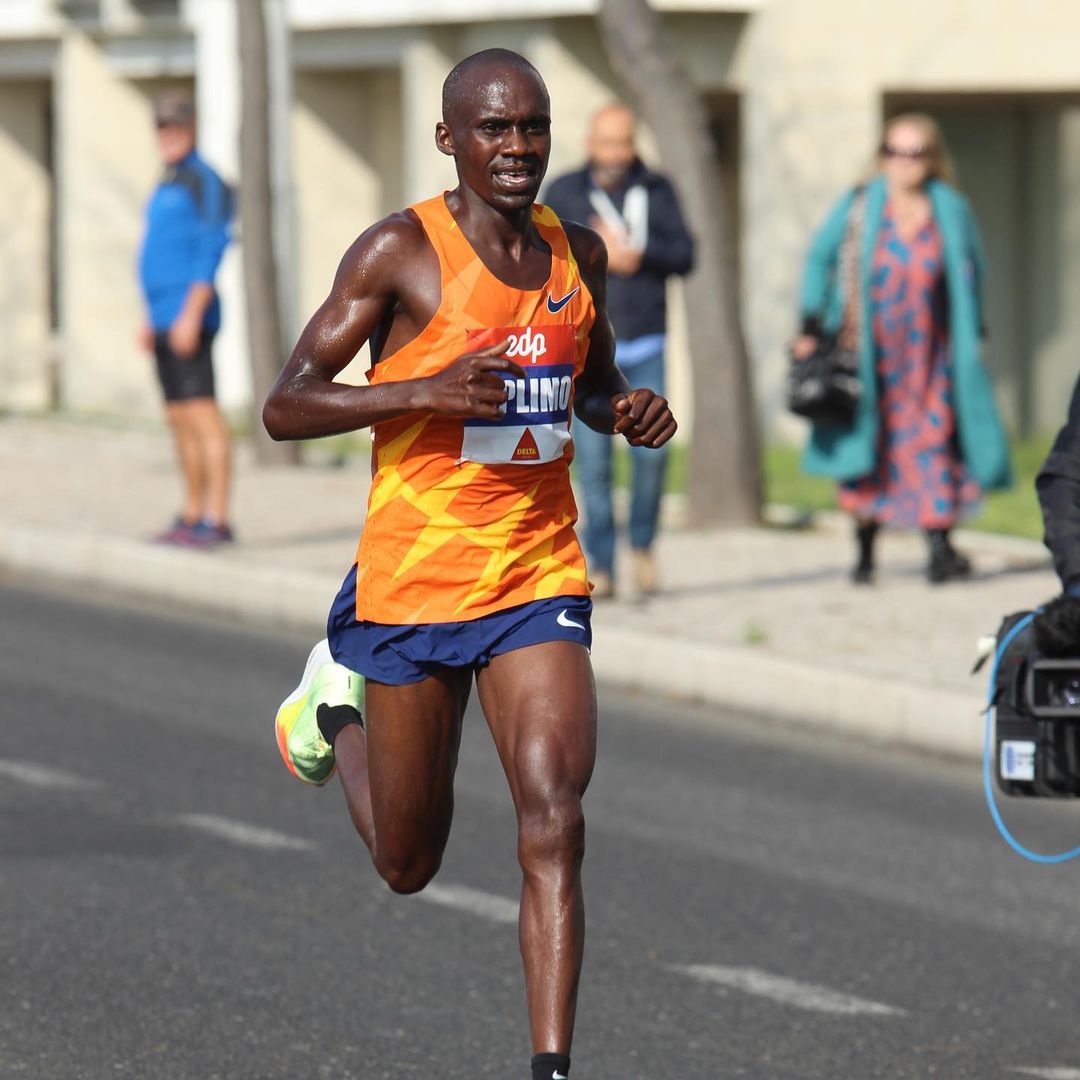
x=535, y=423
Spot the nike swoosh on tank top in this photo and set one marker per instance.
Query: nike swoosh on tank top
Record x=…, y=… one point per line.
x=467, y=517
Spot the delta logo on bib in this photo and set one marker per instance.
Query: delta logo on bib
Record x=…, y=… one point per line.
x=535, y=425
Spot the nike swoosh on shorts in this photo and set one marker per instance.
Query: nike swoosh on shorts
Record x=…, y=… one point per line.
x=563, y=620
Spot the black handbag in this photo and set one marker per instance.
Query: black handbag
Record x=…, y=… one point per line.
x=825, y=387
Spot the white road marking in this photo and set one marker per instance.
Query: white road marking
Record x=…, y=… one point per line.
x=27, y=772
x=785, y=991
x=239, y=832
x=486, y=905
x=1049, y=1074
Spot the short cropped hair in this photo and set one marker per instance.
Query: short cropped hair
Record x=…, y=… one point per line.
x=458, y=81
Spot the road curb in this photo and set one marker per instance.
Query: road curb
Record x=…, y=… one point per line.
x=745, y=678
x=805, y=695
x=213, y=582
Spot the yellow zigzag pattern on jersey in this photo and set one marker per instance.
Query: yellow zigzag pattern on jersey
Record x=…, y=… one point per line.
x=544, y=215
x=443, y=526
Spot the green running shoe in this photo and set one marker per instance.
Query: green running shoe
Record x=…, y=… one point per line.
x=308, y=756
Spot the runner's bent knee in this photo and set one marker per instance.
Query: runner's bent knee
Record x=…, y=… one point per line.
x=407, y=871
x=551, y=832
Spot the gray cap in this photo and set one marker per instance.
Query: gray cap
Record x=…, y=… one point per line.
x=174, y=107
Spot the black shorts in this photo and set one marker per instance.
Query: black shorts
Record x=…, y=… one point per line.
x=185, y=377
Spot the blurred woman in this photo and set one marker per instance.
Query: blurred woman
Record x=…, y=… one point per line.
x=926, y=439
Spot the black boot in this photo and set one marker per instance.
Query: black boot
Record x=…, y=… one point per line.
x=865, y=534
x=946, y=563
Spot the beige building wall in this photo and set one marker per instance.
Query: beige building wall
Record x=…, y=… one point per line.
x=107, y=168
x=347, y=171
x=425, y=59
x=811, y=75
x=26, y=192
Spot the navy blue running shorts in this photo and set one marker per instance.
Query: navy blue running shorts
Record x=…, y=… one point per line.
x=397, y=655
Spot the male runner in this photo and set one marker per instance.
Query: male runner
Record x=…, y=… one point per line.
x=487, y=324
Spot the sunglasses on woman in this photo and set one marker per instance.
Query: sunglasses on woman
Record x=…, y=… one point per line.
x=915, y=154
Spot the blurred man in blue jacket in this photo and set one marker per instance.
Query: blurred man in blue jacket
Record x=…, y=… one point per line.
x=636, y=212
x=187, y=231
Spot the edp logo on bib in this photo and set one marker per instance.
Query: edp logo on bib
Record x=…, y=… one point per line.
x=528, y=345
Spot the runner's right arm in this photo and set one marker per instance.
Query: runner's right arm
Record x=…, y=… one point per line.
x=377, y=281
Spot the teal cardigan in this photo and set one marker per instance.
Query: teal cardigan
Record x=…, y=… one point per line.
x=850, y=451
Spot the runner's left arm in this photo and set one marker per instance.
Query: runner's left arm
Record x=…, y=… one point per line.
x=603, y=399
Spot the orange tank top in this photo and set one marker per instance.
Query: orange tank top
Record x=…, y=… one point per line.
x=467, y=517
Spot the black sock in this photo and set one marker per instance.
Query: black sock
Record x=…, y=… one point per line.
x=332, y=718
x=550, y=1066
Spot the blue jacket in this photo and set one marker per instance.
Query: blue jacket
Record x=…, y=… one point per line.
x=187, y=231
x=637, y=305
x=849, y=452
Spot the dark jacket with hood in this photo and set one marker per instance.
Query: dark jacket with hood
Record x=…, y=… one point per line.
x=637, y=304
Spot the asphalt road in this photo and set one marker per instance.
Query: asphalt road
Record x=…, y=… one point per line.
x=761, y=904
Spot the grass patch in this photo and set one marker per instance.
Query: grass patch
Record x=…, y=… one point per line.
x=787, y=485
x=674, y=476
x=353, y=447
x=1014, y=512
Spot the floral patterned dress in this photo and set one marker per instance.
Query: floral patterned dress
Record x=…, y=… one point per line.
x=919, y=480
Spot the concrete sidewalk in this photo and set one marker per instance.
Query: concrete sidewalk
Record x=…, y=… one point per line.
x=761, y=619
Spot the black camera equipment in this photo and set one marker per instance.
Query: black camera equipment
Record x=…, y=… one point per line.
x=1036, y=702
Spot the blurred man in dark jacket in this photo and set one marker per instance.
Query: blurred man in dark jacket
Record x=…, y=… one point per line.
x=636, y=212
x=1057, y=626
x=1058, y=485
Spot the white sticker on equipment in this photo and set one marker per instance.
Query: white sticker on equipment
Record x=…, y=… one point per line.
x=1017, y=760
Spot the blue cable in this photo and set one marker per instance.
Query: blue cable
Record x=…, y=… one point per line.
x=988, y=784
